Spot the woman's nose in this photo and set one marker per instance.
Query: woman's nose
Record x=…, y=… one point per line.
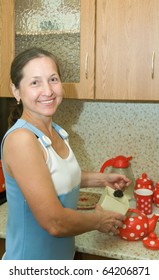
x=47, y=89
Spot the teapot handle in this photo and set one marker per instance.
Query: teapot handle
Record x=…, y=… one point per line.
x=108, y=162
x=136, y=211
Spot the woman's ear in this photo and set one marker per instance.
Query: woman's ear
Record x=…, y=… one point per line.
x=15, y=92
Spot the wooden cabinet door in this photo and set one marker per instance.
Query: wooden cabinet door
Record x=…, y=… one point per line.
x=2, y=247
x=127, y=53
x=6, y=45
x=85, y=88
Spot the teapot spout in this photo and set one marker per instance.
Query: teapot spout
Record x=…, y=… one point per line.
x=152, y=222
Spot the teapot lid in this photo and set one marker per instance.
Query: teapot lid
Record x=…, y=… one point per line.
x=121, y=161
x=151, y=241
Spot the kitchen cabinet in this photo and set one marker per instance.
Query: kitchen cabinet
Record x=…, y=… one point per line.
x=6, y=45
x=119, y=56
x=84, y=89
x=2, y=247
x=127, y=55
x=85, y=256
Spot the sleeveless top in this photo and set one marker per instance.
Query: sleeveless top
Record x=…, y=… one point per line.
x=25, y=239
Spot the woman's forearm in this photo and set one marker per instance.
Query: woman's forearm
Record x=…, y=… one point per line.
x=97, y=179
x=92, y=179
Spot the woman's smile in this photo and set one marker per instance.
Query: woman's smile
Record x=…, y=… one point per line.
x=48, y=102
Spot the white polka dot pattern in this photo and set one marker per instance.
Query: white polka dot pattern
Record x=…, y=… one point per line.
x=136, y=227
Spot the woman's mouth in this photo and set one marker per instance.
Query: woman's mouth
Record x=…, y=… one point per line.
x=47, y=102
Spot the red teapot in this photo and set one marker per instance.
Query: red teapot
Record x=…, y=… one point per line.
x=137, y=225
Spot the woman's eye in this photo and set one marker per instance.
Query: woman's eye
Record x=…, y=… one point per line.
x=54, y=80
x=34, y=83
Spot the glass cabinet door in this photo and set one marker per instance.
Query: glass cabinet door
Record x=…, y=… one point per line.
x=52, y=25
x=66, y=28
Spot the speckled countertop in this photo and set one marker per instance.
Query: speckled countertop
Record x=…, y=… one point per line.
x=112, y=247
x=101, y=244
x=3, y=220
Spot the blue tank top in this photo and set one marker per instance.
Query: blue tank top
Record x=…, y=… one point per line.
x=25, y=239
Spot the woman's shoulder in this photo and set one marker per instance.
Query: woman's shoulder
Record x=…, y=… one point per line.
x=20, y=137
x=19, y=129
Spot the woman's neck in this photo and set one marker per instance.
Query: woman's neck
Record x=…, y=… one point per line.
x=42, y=123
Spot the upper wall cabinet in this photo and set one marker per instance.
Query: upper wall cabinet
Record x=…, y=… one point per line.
x=127, y=52
x=6, y=45
x=64, y=27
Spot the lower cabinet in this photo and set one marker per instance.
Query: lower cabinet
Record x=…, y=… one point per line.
x=86, y=256
x=2, y=247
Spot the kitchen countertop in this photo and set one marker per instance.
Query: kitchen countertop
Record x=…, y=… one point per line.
x=101, y=244
x=113, y=247
x=3, y=220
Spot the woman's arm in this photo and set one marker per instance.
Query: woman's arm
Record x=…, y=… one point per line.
x=25, y=161
x=97, y=179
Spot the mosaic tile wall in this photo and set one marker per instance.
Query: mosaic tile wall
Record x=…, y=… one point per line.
x=101, y=130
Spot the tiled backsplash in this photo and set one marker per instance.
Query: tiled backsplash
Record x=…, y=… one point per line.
x=102, y=130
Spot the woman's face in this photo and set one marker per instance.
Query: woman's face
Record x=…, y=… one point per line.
x=40, y=89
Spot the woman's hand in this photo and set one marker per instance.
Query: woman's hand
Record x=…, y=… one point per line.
x=117, y=181
x=109, y=220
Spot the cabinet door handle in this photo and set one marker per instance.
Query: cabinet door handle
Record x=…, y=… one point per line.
x=153, y=60
x=86, y=66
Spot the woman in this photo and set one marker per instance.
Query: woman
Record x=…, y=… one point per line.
x=41, y=172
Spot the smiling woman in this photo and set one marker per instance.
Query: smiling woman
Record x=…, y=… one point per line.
x=33, y=79
x=40, y=89
x=41, y=172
